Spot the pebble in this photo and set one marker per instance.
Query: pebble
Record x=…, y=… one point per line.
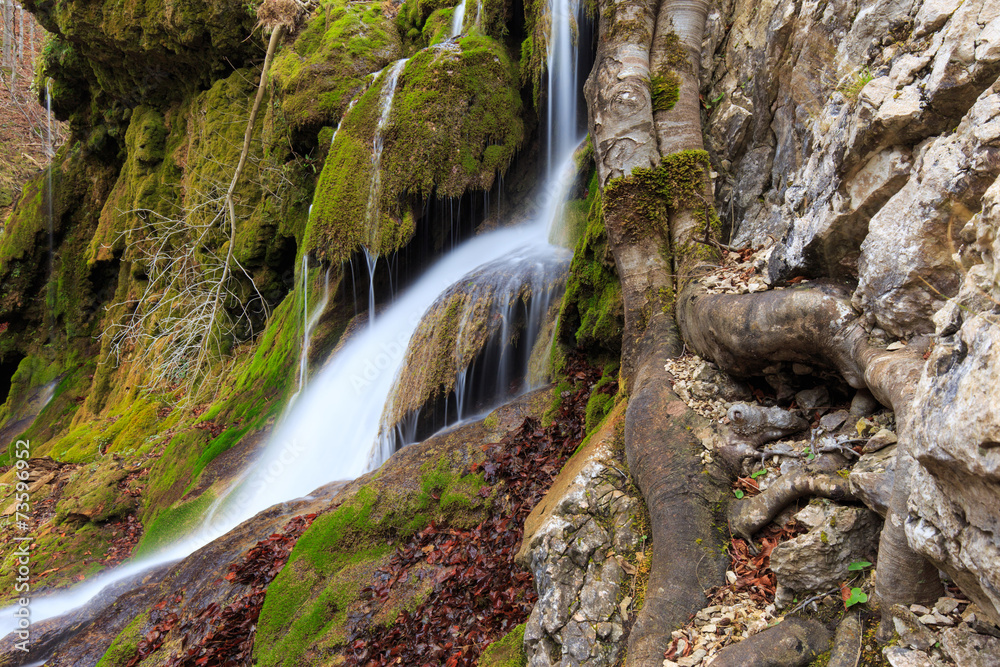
x=693, y=659
x=946, y=605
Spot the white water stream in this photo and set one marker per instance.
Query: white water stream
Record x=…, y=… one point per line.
x=458, y=20
x=331, y=431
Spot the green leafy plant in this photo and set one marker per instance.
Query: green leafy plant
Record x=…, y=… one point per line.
x=853, y=83
x=857, y=596
x=708, y=104
x=758, y=473
x=858, y=566
x=738, y=493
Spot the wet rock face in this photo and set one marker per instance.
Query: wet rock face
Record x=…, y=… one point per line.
x=859, y=136
x=575, y=543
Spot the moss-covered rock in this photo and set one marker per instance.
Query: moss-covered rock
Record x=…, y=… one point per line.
x=507, y=651
x=310, y=608
x=454, y=125
x=468, y=318
x=593, y=315
x=327, y=65
x=95, y=496
x=141, y=51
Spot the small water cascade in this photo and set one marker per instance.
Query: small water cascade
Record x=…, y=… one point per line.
x=473, y=348
x=309, y=320
x=458, y=20
x=342, y=117
x=332, y=430
x=371, y=260
x=375, y=191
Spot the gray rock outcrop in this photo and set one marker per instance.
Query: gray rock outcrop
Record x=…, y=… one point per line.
x=576, y=543
x=818, y=560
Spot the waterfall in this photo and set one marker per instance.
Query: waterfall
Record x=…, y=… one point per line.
x=342, y=117
x=332, y=430
x=375, y=190
x=458, y=20
x=562, y=77
x=378, y=141
x=50, y=151
x=309, y=320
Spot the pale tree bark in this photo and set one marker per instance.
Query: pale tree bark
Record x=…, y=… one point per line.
x=654, y=243
x=663, y=454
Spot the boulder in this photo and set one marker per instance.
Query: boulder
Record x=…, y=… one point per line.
x=818, y=560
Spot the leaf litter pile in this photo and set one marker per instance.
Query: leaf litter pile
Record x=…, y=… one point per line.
x=224, y=636
x=479, y=593
x=742, y=607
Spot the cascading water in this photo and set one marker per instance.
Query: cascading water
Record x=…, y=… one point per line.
x=375, y=190
x=331, y=432
x=458, y=20
x=472, y=350
x=309, y=320
x=341, y=122
x=563, y=81
x=50, y=151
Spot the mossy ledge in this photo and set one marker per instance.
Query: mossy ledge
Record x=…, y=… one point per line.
x=307, y=609
x=455, y=125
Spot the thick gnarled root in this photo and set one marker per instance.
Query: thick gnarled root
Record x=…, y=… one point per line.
x=794, y=642
x=744, y=333
x=752, y=514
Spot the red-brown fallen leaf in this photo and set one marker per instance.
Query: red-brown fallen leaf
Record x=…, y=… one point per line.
x=479, y=592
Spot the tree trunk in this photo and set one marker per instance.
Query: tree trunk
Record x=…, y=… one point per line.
x=684, y=503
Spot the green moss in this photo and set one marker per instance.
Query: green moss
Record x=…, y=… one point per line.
x=455, y=494
x=95, y=495
x=507, y=651
x=675, y=56
x=138, y=51
x=665, y=91
x=324, y=69
x=641, y=201
x=66, y=555
x=126, y=644
x=437, y=28
x=592, y=314
x=172, y=523
x=599, y=404
x=455, y=124
x=307, y=604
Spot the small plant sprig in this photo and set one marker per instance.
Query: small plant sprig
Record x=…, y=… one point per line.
x=853, y=83
x=854, y=595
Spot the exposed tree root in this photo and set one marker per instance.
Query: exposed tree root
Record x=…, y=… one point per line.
x=744, y=333
x=847, y=642
x=663, y=455
x=794, y=642
x=752, y=514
